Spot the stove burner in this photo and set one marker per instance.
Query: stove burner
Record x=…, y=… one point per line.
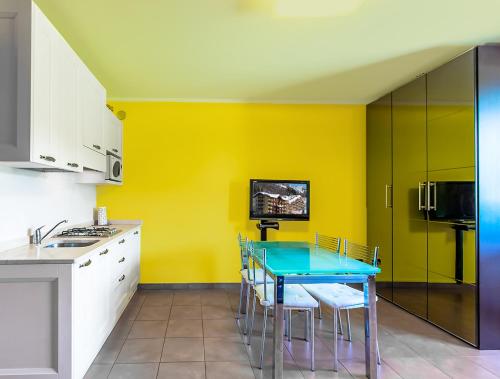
x=90, y=231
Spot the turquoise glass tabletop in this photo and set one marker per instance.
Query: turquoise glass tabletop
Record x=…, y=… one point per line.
x=297, y=258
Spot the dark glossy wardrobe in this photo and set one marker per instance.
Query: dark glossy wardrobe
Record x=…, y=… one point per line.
x=433, y=195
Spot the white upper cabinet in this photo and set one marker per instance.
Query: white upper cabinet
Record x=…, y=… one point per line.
x=92, y=102
x=51, y=106
x=113, y=131
x=63, y=104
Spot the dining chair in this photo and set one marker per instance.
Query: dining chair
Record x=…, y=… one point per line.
x=249, y=278
x=343, y=297
x=332, y=244
x=296, y=298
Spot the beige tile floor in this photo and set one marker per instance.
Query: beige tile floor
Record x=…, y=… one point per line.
x=192, y=334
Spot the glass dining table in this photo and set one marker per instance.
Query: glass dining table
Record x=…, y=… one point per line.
x=304, y=263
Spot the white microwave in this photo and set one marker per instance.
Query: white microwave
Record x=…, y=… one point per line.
x=114, y=168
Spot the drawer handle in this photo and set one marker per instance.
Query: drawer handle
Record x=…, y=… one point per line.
x=136, y=232
x=73, y=164
x=121, y=241
x=104, y=252
x=97, y=147
x=48, y=158
x=115, y=150
x=122, y=260
x=86, y=264
x=122, y=278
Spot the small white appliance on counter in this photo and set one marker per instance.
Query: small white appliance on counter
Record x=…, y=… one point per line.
x=114, y=168
x=100, y=217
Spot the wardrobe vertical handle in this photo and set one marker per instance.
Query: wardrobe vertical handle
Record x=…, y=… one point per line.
x=433, y=207
x=388, y=187
x=421, y=207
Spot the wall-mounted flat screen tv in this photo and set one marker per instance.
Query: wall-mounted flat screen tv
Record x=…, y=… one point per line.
x=453, y=201
x=279, y=199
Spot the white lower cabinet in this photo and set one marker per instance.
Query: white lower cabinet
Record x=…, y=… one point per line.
x=103, y=284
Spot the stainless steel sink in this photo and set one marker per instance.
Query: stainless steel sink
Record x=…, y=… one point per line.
x=59, y=244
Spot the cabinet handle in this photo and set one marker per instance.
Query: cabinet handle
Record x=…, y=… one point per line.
x=115, y=150
x=421, y=207
x=104, y=252
x=136, y=232
x=73, y=164
x=122, y=260
x=86, y=264
x=48, y=158
x=97, y=147
x=122, y=278
x=432, y=207
x=387, y=203
x=121, y=241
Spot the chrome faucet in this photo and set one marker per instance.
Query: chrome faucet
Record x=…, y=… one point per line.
x=37, y=238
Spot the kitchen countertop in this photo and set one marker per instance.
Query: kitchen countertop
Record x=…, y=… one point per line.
x=31, y=254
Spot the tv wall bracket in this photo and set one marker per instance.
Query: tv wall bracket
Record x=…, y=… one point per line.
x=263, y=225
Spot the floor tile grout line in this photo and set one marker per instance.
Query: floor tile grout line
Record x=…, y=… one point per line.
x=428, y=360
x=125, y=340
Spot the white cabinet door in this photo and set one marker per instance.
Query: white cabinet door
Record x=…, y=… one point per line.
x=63, y=103
x=44, y=140
x=84, y=295
x=54, y=121
x=91, y=103
x=112, y=133
x=135, y=251
x=118, y=277
x=103, y=324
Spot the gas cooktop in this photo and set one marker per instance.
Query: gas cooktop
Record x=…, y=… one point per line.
x=90, y=231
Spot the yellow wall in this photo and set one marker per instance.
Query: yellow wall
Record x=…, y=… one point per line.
x=186, y=175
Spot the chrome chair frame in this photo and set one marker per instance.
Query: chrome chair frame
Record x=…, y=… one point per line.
x=364, y=254
x=243, y=244
x=309, y=321
x=249, y=282
x=333, y=244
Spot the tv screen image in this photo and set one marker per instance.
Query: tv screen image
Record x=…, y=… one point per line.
x=279, y=199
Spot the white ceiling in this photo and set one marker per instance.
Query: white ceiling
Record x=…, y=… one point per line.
x=243, y=50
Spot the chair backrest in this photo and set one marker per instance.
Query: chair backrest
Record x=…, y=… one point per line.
x=251, y=252
x=243, y=245
x=362, y=253
x=327, y=242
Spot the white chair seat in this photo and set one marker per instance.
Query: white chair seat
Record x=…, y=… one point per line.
x=336, y=295
x=295, y=296
x=259, y=276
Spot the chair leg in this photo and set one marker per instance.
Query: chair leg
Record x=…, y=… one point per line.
x=241, y=299
x=306, y=326
x=247, y=307
x=289, y=325
x=285, y=317
x=311, y=320
x=335, y=342
x=341, y=328
x=379, y=361
x=263, y=339
x=349, y=336
x=320, y=314
x=252, y=318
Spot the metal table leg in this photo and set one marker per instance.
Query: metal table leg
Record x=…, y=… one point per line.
x=370, y=328
x=278, y=328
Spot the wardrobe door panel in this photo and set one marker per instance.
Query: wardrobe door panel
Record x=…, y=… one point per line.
x=409, y=197
x=451, y=161
x=379, y=188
